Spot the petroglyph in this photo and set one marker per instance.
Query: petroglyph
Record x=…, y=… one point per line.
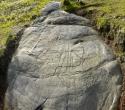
x=61, y=64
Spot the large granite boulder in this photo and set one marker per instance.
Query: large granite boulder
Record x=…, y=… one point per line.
x=61, y=64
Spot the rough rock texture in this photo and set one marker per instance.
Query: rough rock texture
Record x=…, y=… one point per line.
x=61, y=64
x=52, y=6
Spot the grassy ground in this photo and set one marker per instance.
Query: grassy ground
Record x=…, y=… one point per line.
x=16, y=13
x=111, y=11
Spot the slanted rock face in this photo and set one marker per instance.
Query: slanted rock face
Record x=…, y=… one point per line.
x=61, y=64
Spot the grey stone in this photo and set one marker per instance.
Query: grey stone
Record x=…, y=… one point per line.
x=52, y=6
x=60, y=17
x=63, y=67
x=39, y=20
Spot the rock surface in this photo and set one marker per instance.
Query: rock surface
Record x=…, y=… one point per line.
x=52, y=6
x=61, y=64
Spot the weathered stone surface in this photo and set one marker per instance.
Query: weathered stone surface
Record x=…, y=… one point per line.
x=61, y=17
x=62, y=67
x=50, y=7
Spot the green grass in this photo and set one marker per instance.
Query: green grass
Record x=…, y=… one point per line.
x=70, y=5
x=111, y=10
x=17, y=13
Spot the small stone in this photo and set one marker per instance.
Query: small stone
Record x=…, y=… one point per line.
x=52, y=6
